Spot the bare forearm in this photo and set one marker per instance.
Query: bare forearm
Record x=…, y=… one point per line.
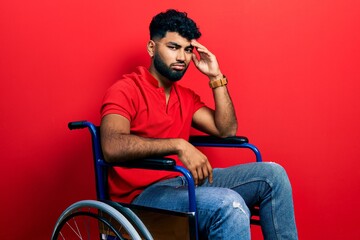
x=127, y=147
x=225, y=117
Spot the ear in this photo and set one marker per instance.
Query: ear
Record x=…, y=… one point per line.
x=151, y=48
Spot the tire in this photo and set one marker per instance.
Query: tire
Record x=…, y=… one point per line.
x=90, y=219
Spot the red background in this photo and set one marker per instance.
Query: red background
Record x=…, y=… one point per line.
x=293, y=68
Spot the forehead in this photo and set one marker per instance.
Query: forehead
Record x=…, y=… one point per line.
x=174, y=37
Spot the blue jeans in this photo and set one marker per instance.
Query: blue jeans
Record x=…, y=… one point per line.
x=223, y=206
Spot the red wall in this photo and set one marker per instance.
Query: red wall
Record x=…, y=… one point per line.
x=293, y=68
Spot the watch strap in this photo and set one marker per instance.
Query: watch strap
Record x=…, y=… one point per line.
x=218, y=83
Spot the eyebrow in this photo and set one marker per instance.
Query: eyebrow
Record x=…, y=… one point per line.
x=179, y=46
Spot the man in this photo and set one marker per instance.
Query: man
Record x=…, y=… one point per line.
x=147, y=114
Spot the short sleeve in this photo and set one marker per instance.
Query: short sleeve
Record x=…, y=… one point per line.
x=119, y=99
x=197, y=102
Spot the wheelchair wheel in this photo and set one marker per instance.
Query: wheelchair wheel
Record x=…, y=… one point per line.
x=91, y=219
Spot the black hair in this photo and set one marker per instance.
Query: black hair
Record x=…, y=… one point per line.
x=173, y=21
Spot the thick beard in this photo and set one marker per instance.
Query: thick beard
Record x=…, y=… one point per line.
x=171, y=75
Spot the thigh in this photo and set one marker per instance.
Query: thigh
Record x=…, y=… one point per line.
x=173, y=195
x=250, y=180
x=169, y=194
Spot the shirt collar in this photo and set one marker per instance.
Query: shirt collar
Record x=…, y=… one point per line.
x=148, y=77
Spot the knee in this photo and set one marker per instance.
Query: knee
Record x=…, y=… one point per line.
x=277, y=175
x=227, y=215
x=232, y=206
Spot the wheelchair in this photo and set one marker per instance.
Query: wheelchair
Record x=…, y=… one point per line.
x=105, y=219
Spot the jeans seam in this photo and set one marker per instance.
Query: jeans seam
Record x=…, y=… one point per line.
x=267, y=181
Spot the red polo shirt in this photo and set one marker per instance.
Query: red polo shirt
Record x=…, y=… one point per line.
x=139, y=98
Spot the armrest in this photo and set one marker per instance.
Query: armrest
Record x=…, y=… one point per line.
x=148, y=163
x=208, y=140
x=229, y=142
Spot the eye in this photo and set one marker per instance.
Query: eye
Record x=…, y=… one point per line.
x=189, y=50
x=171, y=47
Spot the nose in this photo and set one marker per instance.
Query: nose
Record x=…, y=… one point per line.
x=181, y=55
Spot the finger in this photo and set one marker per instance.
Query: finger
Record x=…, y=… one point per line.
x=203, y=52
x=195, y=59
x=203, y=174
x=200, y=175
x=205, y=55
x=200, y=48
x=195, y=177
x=207, y=173
x=197, y=44
x=210, y=173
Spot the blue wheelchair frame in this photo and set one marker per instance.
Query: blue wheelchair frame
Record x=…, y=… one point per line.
x=167, y=164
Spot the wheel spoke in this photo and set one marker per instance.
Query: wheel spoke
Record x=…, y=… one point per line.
x=76, y=231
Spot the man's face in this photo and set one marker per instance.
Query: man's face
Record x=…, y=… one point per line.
x=172, y=56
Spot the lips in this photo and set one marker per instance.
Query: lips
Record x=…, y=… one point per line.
x=178, y=66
